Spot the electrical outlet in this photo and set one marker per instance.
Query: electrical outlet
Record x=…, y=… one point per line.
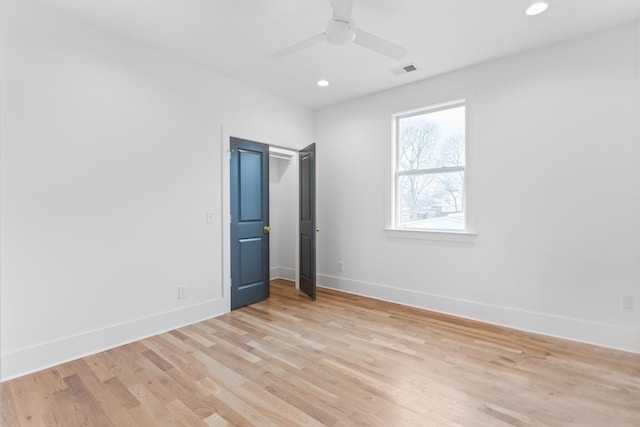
x=182, y=292
x=340, y=266
x=628, y=302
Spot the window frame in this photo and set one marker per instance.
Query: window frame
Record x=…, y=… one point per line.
x=392, y=229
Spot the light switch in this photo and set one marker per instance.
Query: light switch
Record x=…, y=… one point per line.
x=211, y=218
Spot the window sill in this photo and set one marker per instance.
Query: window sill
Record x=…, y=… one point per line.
x=438, y=236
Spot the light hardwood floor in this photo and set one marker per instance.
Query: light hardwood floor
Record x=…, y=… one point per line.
x=342, y=360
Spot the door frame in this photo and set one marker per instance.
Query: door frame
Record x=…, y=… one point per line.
x=225, y=168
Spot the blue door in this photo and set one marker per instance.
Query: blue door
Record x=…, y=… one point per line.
x=308, y=227
x=249, y=222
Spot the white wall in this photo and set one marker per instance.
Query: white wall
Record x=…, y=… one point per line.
x=111, y=157
x=283, y=210
x=556, y=195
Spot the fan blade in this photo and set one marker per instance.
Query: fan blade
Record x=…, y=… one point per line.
x=298, y=46
x=342, y=9
x=380, y=45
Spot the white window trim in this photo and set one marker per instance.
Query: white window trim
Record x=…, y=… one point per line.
x=468, y=235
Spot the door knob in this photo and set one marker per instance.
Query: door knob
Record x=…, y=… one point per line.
x=266, y=229
x=317, y=229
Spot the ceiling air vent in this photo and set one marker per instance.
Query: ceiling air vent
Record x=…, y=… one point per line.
x=405, y=69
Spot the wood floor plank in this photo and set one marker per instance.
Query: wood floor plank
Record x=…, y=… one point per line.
x=9, y=411
x=68, y=410
x=108, y=402
x=299, y=397
x=115, y=388
x=88, y=404
x=342, y=360
x=276, y=409
x=232, y=407
x=216, y=420
x=100, y=368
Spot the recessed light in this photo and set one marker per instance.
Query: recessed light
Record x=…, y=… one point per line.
x=323, y=83
x=536, y=8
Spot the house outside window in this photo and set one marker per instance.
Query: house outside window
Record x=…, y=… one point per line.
x=430, y=169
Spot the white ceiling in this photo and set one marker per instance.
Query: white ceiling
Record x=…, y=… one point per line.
x=235, y=37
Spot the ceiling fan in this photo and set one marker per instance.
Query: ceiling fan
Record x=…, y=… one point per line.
x=341, y=30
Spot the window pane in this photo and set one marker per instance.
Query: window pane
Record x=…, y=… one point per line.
x=432, y=140
x=431, y=201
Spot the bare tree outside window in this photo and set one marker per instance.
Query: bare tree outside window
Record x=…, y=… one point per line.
x=453, y=154
x=417, y=140
x=430, y=169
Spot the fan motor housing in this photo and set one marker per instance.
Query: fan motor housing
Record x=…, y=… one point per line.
x=340, y=32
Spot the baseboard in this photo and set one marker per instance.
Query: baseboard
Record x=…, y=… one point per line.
x=24, y=361
x=53, y=353
x=282, y=273
x=601, y=334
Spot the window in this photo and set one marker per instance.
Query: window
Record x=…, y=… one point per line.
x=429, y=169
